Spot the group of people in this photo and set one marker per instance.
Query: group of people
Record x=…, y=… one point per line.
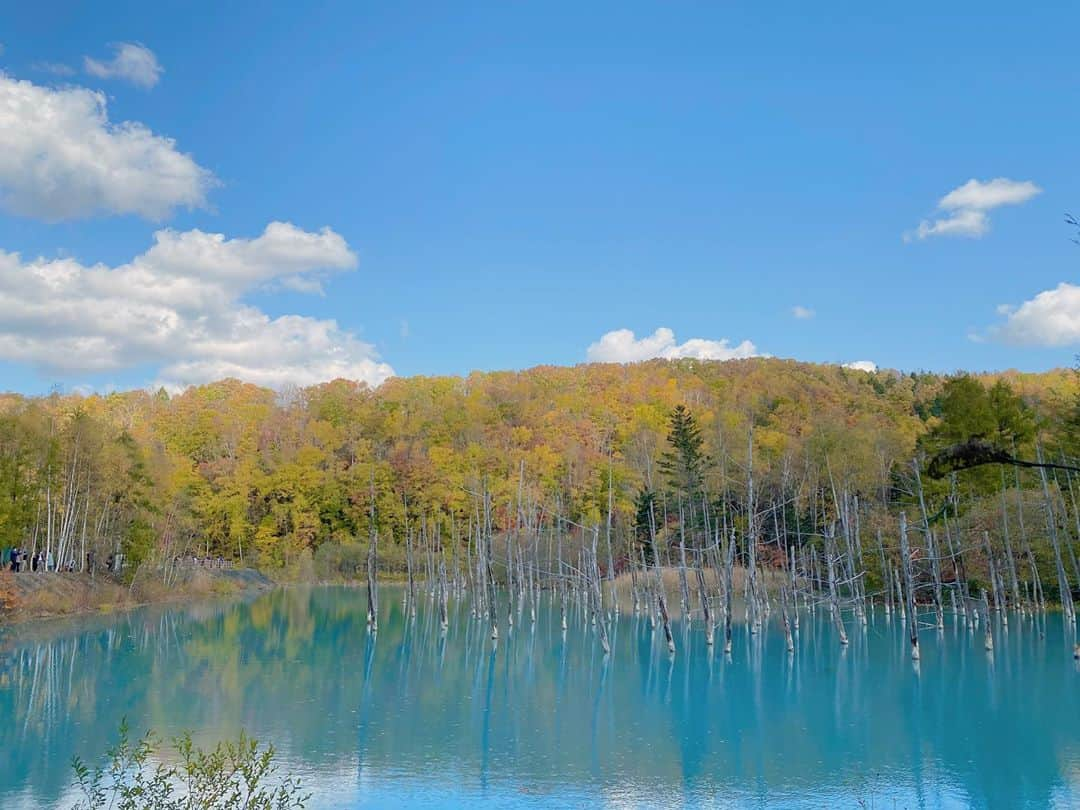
x=19, y=560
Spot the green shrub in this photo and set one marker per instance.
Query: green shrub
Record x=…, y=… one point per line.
x=232, y=776
x=341, y=561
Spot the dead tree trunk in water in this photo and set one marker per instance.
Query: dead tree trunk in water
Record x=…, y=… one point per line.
x=992, y=572
x=834, y=601
x=1051, y=522
x=660, y=591
x=1014, y=580
x=597, y=596
x=959, y=568
x=683, y=583
x=729, y=576
x=752, y=616
x=885, y=578
x=788, y=638
x=1076, y=517
x=489, y=573
x=372, y=563
x=444, y=590
x=410, y=590
x=562, y=583
x=931, y=550
x=704, y=595
x=610, y=556
x=909, y=588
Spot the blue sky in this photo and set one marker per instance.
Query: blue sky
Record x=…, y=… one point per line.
x=512, y=182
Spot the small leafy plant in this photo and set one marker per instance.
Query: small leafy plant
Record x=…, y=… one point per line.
x=232, y=776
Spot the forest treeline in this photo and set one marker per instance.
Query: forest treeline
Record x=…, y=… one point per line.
x=782, y=453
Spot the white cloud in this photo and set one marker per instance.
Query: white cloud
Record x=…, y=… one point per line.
x=991, y=194
x=972, y=224
x=178, y=306
x=802, y=313
x=620, y=346
x=965, y=207
x=862, y=365
x=61, y=158
x=131, y=62
x=1051, y=318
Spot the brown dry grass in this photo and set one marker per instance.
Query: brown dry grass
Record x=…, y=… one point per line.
x=62, y=594
x=672, y=587
x=40, y=595
x=670, y=575
x=9, y=600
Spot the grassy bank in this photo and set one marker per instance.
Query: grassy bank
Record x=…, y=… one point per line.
x=30, y=595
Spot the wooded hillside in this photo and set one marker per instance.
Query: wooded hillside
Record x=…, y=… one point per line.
x=245, y=473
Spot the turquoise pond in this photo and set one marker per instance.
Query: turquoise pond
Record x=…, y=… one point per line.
x=412, y=717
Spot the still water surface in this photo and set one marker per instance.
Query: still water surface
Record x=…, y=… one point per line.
x=414, y=718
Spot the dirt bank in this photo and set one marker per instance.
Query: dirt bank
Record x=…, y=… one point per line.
x=31, y=595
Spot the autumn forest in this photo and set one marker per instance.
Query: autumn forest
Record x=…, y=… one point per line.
x=296, y=482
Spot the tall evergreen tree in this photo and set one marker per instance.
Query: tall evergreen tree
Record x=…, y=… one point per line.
x=644, y=514
x=683, y=464
x=969, y=411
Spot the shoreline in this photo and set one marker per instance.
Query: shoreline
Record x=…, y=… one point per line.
x=37, y=596
x=32, y=596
